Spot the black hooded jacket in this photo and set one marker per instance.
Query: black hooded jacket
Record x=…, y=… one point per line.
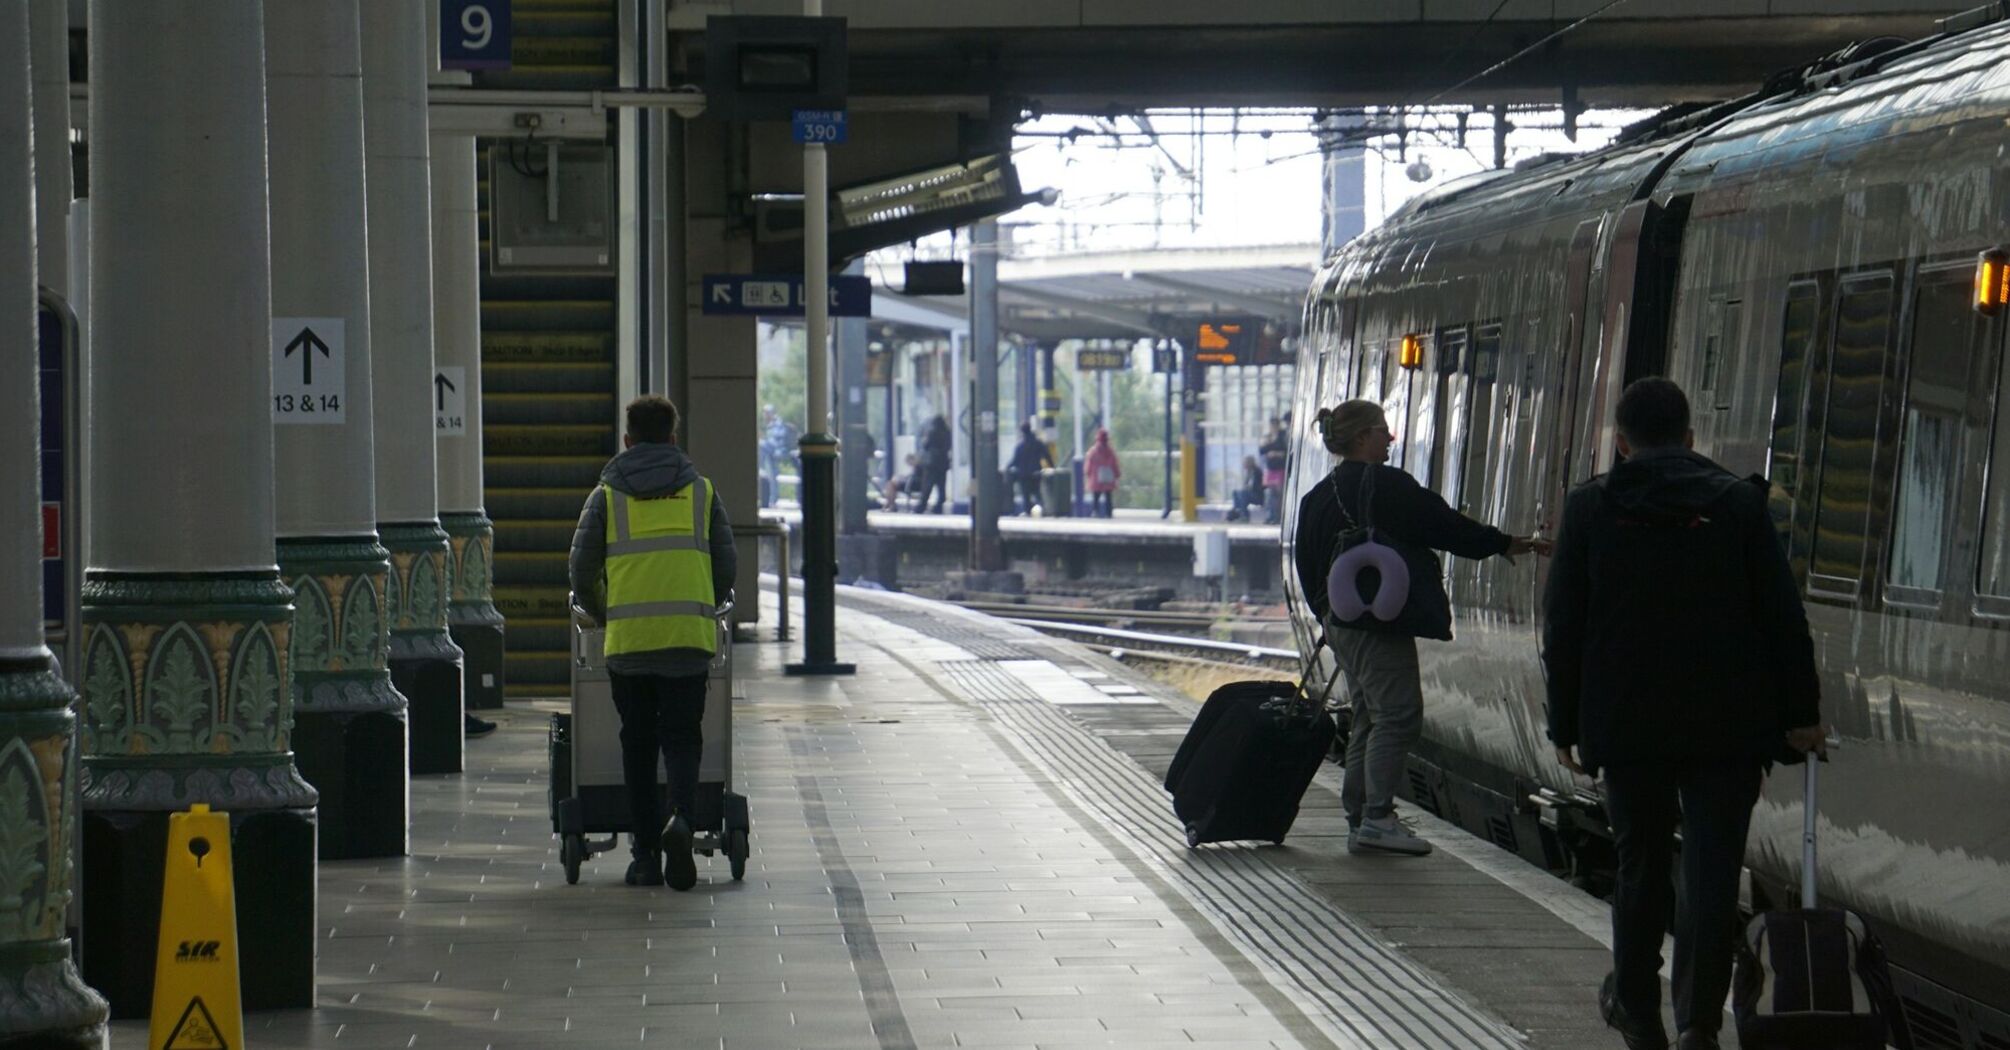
x=1673, y=628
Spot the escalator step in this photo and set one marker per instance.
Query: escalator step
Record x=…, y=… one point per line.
x=578, y=473
x=549, y=439
x=531, y=378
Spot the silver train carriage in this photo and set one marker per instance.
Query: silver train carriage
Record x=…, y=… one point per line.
x=1818, y=265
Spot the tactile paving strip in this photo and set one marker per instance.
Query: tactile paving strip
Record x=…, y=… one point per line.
x=1366, y=993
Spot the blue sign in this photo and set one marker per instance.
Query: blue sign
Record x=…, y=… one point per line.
x=825, y=126
x=781, y=295
x=55, y=587
x=474, y=34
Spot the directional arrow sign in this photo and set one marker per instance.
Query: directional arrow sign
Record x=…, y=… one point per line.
x=306, y=391
x=307, y=342
x=781, y=295
x=450, y=401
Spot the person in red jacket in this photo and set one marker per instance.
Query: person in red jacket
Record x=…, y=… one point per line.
x=1100, y=473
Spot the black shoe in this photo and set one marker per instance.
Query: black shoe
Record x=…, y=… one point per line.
x=679, y=870
x=1639, y=1035
x=645, y=870
x=1697, y=1039
x=477, y=727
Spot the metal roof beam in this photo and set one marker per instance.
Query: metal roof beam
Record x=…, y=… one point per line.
x=1256, y=304
x=1137, y=320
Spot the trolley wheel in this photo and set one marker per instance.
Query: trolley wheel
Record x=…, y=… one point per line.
x=737, y=850
x=1192, y=837
x=571, y=852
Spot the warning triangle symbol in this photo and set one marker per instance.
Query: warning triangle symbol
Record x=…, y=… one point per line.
x=196, y=1030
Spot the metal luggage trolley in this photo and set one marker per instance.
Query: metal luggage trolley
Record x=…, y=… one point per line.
x=588, y=794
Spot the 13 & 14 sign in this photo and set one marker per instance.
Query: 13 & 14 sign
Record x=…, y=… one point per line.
x=307, y=369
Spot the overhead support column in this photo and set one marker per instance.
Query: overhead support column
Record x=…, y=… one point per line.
x=472, y=618
x=349, y=721
x=42, y=1000
x=425, y=663
x=987, y=554
x=55, y=183
x=1342, y=176
x=186, y=618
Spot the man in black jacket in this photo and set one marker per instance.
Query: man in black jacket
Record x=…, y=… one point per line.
x=1679, y=664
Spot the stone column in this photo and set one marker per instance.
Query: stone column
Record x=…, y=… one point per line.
x=55, y=185
x=425, y=663
x=42, y=1000
x=472, y=618
x=186, y=619
x=350, y=732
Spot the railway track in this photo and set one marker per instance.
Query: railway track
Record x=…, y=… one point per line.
x=1129, y=645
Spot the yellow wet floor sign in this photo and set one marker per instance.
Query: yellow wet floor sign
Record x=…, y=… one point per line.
x=195, y=973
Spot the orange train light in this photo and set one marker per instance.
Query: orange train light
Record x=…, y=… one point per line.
x=1411, y=354
x=1992, y=281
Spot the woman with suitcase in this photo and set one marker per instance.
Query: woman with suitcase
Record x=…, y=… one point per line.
x=1366, y=497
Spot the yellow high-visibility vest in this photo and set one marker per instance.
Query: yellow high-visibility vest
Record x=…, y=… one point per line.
x=659, y=571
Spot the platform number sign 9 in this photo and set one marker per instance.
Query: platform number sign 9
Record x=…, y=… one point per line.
x=474, y=34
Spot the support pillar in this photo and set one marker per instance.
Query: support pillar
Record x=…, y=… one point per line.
x=43, y=1001
x=426, y=665
x=55, y=185
x=349, y=731
x=861, y=553
x=472, y=618
x=987, y=553
x=186, y=618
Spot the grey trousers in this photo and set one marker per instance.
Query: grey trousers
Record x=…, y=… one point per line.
x=1388, y=701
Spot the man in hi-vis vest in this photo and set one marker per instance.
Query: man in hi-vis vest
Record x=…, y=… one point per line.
x=651, y=559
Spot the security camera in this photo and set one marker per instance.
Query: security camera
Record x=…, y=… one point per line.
x=1418, y=171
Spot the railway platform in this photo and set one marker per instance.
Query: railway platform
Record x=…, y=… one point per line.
x=965, y=844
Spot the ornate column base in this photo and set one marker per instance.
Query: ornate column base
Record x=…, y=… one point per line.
x=426, y=665
x=272, y=831
x=349, y=729
x=472, y=618
x=43, y=1002
x=186, y=701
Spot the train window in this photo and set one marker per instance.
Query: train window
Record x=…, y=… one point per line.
x=1797, y=341
x=1857, y=348
x=1486, y=355
x=1940, y=359
x=1713, y=342
x=1993, y=576
x=1727, y=352
x=1721, y=327
x=1454, y=392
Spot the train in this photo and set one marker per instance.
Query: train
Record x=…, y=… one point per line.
x=1822, y=266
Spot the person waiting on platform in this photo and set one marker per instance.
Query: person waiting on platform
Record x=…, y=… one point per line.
x=1028, y=459
x=1276, y=454
x=1250, y=494
x=910, y=484
x=1679, y=663
x=651, y=559
x=935, y=446
x=1100, y=473
x=1380, y=658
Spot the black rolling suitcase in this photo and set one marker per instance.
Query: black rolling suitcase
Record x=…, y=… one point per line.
x=1245, y=764
x=1814, y=978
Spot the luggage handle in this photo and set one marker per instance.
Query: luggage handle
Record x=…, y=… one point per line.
x=1809, y=779
x=1305, y=673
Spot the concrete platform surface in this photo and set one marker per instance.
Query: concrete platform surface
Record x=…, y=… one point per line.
x=964, y=844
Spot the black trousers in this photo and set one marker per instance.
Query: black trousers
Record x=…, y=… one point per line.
x=666, y=716
x=1029, y=492
x=1713, y=805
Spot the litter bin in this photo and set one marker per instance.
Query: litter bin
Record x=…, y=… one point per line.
x=1057, y=492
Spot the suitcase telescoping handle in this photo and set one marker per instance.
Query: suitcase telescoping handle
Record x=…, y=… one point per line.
x=1808, y=831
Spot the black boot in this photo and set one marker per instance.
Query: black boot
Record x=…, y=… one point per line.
x=1640, y=1034
x=679, y=869
x=646, y=869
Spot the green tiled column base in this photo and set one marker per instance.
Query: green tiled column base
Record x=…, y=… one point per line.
x=350, y=733
x=42, y=1000
x=472, y=618
x=425, y=663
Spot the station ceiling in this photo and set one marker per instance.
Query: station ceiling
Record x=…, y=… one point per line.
x=1088, y=56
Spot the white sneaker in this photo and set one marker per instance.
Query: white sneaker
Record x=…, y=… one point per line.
x=1386, y=835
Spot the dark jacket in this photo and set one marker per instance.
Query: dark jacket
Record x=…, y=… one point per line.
x=646, y=471
x=935, y=446
x=1030, y=455
x=1403, y=510
x=1673, y=628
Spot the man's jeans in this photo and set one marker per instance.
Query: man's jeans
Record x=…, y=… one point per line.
x=1713, y=804
x=1388, y=717
x=666, y=715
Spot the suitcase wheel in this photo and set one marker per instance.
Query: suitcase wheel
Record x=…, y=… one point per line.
x=571, y=853
x=737, y=850
x=1192, y=837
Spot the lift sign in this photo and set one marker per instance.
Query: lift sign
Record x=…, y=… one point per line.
x=825, y=126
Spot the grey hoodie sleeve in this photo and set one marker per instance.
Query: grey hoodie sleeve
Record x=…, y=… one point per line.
x=588, y=562
x=725, y=558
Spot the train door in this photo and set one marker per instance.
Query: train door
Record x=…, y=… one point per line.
x=1552, y=475
x=1640, y=274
